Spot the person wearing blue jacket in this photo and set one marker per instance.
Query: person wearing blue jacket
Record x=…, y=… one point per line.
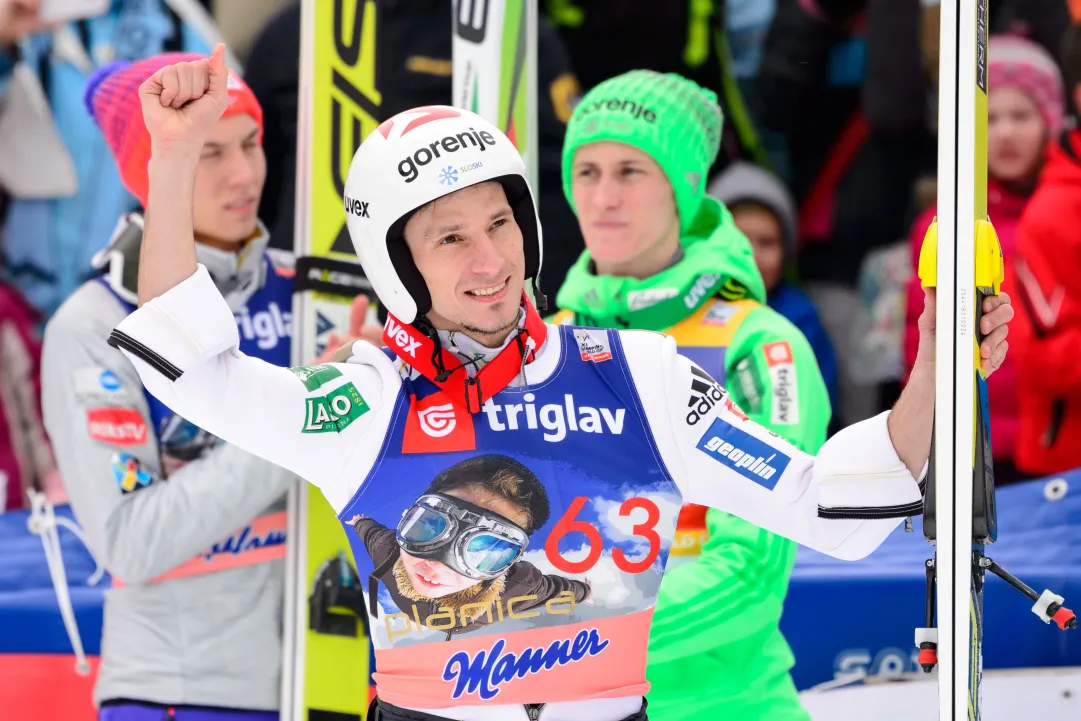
x=764, y=210
x=63, y=204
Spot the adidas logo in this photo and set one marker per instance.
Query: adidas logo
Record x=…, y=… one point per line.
x=705, y=393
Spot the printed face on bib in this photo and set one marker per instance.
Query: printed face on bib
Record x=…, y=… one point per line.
x=519, y=549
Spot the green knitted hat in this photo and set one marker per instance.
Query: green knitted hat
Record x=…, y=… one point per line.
x=670, y=118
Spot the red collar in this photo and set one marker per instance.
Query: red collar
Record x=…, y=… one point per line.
x=447, y=371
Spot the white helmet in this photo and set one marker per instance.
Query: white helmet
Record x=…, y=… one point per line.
x=407, y=162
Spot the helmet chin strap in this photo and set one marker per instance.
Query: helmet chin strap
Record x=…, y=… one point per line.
x=418, y=345
x=542, y=300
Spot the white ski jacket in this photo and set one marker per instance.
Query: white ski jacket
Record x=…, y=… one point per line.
x=195, y=614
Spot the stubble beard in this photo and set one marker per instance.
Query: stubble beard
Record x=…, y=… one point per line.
x=500, y=331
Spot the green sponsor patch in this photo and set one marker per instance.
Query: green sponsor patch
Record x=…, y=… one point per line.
x=334, y=411
x=314, y=376
x=748, y=386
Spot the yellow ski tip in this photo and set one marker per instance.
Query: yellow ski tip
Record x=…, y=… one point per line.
x=928, y=266
x=990, y=268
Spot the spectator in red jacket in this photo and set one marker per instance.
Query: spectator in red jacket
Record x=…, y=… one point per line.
x=1047, y=338
x=1025, y=109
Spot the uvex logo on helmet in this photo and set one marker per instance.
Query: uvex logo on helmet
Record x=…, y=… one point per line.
x=409, y=167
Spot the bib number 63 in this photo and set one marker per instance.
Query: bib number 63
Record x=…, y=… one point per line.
x=569, y=523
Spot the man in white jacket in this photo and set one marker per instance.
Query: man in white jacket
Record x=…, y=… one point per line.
x=445, y=226
x=191, y=529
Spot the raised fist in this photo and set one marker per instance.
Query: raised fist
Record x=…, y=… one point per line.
x=182, y=102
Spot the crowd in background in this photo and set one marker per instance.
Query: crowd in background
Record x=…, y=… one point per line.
x=827, y=163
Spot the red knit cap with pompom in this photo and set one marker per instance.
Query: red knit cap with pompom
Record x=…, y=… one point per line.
x=112, y=97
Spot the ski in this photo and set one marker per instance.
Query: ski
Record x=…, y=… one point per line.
x=494, y=54
x=962, y=259
x=327, y=674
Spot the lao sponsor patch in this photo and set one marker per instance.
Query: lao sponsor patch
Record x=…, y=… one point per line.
x=117, y=426
x=129, y=473
x=782, y=375
x=593, y=345
x=98, y=386
x=335, y=411
x=753, y=459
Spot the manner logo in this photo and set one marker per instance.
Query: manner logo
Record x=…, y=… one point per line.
x=486, y=670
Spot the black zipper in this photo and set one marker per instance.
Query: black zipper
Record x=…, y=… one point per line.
x=903, y=511
x=533, y=709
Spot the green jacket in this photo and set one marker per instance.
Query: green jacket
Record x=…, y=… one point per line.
x=716, y=651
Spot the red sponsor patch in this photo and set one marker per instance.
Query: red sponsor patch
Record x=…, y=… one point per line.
x=778, y=353
x=118, y=426
x=435, y=425
x=733, y=408
x=414, y=118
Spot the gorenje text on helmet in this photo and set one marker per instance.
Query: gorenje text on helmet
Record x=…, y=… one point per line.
x=408, y=168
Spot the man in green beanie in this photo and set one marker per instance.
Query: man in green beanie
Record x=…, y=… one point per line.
x=662, y=256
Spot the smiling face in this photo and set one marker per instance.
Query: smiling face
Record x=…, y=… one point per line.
x=626, y=209
x=435, y=579
x=1016, y=134
x=469, y=250
x=229, y=182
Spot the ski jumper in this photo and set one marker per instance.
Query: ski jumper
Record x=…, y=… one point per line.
x=712, y=653
x=191, y=529
x=584, y=434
